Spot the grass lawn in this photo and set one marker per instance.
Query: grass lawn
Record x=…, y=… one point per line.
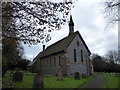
x=112, y=81
x=67, y=82
x=26, y=83
x=49, y=81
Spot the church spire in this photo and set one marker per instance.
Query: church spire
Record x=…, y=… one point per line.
x=71, y=25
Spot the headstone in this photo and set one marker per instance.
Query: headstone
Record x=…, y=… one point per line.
x=77, y=77
x=59, y=74
x=18, y=76
x=38, y=81
x=68, y=74
x=84, y=75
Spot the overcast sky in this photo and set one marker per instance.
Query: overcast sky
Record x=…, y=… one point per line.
x=90, y=22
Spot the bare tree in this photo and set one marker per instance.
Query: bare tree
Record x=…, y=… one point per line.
x=31, y=22
x=112, y=9
x=112, y=12
x=112, y=56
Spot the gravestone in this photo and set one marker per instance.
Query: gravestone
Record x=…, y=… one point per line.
x=59, y=74
x=76, y=76
x=18, y=76
x=84, y=75
x=38, y=81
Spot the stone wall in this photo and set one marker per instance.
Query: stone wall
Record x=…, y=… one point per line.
x=34, y=67
x=50, y=66
x=69, y=66
x=79, y=66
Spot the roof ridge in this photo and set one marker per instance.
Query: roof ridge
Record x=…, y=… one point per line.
x=61, y=40
x=59, y=46
x=56, y=42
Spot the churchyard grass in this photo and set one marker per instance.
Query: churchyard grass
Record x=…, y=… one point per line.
x=49, y=81
x=26, y=83
x=67, y=82
x=112, y=81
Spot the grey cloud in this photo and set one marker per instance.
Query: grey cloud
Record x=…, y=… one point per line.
x=96, y=37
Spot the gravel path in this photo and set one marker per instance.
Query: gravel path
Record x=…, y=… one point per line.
x=97, y=82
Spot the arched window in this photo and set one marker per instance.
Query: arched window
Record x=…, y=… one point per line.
x=54, y=61
x=75, y=59
x=59, y=61
x=77, y=43
x=81, y=56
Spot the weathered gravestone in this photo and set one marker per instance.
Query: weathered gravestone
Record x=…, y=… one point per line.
x=59, y=74
x=38, y=81
x=84, y=75
x=18, y=76
x=76, y=76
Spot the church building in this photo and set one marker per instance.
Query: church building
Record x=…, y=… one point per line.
x=71, y=54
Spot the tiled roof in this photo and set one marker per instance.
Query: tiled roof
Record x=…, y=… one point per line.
x=59, y=46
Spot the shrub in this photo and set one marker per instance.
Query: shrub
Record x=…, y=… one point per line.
x=18, y=76
x=4, y=70
x=11, y=73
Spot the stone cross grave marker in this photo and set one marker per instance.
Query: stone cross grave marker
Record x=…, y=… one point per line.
x=59, y=74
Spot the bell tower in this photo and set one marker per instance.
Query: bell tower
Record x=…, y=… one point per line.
x=71, y=25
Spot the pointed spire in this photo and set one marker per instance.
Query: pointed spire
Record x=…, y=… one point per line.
x=71, y=25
